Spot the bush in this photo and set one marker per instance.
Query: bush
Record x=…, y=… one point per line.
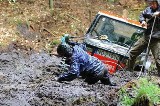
x=146, y=92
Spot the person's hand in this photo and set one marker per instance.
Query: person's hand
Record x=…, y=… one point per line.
x=156, y=13
x=143, y=24
x=59, y=79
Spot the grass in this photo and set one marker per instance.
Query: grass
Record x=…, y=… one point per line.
x=144, y=89
x=151, y=90
x=55, y=42
x=125, y=99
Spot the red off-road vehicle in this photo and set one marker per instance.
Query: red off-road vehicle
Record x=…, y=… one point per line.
x=110, y=38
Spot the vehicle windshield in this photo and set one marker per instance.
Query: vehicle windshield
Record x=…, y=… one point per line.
x=115, y=31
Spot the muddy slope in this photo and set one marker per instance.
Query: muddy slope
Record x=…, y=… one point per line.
x=29, y=80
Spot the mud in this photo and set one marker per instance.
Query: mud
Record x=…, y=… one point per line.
x=30, y=80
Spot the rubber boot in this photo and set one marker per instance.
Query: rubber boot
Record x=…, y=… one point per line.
x=106, y=81
x=91, y=80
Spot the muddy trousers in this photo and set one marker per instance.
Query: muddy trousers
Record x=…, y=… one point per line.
x=102, y=76
x=140, y=46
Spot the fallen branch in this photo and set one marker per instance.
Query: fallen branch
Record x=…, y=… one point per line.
x=47, y=30
x=73, y=17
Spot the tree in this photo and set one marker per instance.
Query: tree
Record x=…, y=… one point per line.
x=51, y=4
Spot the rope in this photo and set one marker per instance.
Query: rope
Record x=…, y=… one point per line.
x=147, y=52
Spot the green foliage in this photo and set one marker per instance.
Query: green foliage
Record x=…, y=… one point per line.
x=54, y=42
x=150, y=89
x=125, y=99
x=144, y=88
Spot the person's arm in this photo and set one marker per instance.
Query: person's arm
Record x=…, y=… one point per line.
x=67, y=77
x=146, y=14
x=71, y=74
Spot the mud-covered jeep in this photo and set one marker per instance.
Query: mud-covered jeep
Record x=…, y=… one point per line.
x=110, y=38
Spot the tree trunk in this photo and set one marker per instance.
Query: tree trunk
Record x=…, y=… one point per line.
x=51, y=4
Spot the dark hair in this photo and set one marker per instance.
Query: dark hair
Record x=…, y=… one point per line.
x=64, y=50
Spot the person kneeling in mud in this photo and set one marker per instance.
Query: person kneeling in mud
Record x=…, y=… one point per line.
x=83, y=64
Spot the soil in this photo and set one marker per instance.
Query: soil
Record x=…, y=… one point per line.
x=30, y=80
x=29, y=65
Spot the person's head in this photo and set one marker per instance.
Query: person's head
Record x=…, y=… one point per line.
x=153, y=4
x=64, y=50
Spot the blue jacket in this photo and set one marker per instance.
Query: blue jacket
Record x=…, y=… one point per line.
x=82, y=62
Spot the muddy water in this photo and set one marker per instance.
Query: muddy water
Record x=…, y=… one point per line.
x=30, y=81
